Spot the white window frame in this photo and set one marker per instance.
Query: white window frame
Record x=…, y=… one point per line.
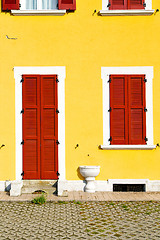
x=39, y=11
x=106, y=12
x=61, y=72
x=105, y=73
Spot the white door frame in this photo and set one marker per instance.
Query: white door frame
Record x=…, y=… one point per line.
x=61, y=72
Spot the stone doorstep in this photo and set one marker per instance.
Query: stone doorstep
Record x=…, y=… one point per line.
x=33, y=189
x=39, y=182
x=30, y=186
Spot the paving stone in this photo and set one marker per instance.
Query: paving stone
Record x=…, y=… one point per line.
x=88, y=220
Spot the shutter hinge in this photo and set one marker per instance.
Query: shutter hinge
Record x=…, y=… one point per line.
x=57, y=80
x=22, y=80
x=57, y=111
x=110, y=139
x=145, y=80
x=145, y=109
x=19, y=5
x=22, y=142
x=109, y=4
x=58, y=174
x=109, y=81
x=22, y=111
x=144, y=4
x=109, y=110
x=146, y=139
x=57, y=142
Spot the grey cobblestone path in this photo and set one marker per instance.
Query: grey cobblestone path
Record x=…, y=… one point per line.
x=80, y=220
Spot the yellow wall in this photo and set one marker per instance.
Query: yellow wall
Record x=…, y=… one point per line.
x=82, y=42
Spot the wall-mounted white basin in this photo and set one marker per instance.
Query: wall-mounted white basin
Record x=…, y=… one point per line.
x=89, y=173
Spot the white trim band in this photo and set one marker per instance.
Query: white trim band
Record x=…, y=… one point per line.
x=125, y=147
x=107, y=185
x=38, y=12
x=126, y=12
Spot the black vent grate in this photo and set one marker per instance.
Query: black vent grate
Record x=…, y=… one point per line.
x=129, y=188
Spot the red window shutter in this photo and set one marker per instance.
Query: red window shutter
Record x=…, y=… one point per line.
x=137, y=115
x=49, y=127
x=118, y=4
x=31, y=126
x=67, y=4
x=136, y=4
x=119, y=110
x=10, y=5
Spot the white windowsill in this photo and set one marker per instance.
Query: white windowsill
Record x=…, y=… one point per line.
x=54, y=12
x=131, y=147
x=126, y=12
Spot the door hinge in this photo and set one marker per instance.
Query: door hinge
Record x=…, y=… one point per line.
x=57, y=80
x=22, y=111
x=145, y=80
x=22, y=174
x=22, y=142
x=58, y=174
x=110, y=139
x=109, y=81
x=57, y=142
x=144, y=4
x=109, y=110
x=22, y=80
x=145, y=109
x=57, y=111
x=146, y=139
x=109, y=4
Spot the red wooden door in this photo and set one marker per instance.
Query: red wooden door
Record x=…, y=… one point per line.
x=40, y=127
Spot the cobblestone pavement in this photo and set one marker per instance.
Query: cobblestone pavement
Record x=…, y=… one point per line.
x=80, y=220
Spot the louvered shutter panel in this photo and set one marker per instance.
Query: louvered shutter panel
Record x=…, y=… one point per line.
x=31, y=126
x=49, y=127
x=137, y=115
x=67, y=4
x=10, y=5
x=119, y=111
x=118, y=4
x=136, y=4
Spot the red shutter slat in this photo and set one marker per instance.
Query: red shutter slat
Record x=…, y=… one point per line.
x=136, y=4
x=31, y=127
x=49, y=127
x=67, y=4
x=118, y=114
x=10, y=5
x=118, y=4
x=137, y=115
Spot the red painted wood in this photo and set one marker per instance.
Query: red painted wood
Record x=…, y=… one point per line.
x=40, y=127
x=31, y=126
x=127, y=116
x=10, y=5
x=126, y=4
x=136, y=4
x=67, y=4
x=118, y=114
x=118, y=4
x=49, y=127
x=137, y=115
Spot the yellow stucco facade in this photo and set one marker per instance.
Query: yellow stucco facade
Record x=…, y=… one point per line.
x=83, y=42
